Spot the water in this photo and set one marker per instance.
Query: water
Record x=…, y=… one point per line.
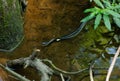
x=46, y=19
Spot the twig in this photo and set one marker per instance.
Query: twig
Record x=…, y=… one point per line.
x=62, y=78
x=112, y=64
x=21, y=78
x=71, y=73
x=34, y=54
x=44, y=70
x=34, y=62
x=62, y=71
x=13, y=77
x=91, y=72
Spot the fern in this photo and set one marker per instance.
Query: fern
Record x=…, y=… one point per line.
x=92, y=15
x=97, y=20
x=107, y=22
x=104, y=10
x=117, y=21
x=98, y=2
x=113, y=13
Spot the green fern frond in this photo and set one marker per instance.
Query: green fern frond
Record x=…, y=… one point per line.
x=107, y=3
x=89, y=17
x=89, y=10
x=106, y=9
x=113, y=13
x=107, y=22
x=116, y=7
x=117, y=21
x=99, y=3
x=97, y=20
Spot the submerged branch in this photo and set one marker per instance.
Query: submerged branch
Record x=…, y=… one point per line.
x=18, y=76
x=34, y=62
x=44, y=70
x=70, y=73
x=62, y=71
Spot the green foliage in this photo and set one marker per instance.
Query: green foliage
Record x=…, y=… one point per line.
x=117, y=21
x=97, y=20
x=11, y=24
x=105, y=10
x=107, y=21
x=98, y=3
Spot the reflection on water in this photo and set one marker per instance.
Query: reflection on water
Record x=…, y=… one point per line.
x=111, y=50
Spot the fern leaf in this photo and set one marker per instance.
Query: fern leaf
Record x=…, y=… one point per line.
x=89, y=10
x=99, y=3
x=97, y=20
x=116, y=21
x=92, y=15
x=107, y=22
x=116, y=7
x=113, y=13
x=107, y=3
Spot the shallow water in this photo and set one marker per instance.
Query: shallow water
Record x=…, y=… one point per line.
x=47, y=19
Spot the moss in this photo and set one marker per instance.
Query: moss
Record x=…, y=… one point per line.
x=11, y=26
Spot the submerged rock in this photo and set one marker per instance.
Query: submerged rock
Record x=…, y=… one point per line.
x=11, y=25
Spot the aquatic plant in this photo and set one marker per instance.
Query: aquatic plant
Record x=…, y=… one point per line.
x=105, y=10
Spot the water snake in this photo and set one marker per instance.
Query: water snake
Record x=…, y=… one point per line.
x=71, y=35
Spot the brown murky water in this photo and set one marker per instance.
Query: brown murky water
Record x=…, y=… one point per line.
x=46, y=19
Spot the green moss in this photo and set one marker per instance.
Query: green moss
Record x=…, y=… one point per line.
x=11, y=26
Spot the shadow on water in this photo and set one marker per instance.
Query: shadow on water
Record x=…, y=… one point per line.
x=46, y=19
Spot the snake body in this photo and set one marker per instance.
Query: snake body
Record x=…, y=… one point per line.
x=71, y=35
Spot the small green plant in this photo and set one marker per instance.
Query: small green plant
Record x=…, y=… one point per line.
x=105, y=10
